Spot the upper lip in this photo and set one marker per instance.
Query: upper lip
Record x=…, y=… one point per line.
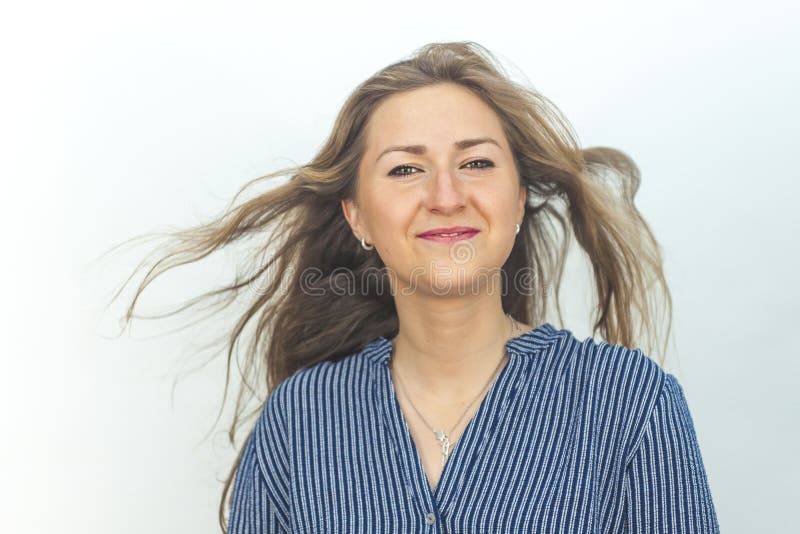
x=450, y=230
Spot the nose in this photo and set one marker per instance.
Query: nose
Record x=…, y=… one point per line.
x=445, y=193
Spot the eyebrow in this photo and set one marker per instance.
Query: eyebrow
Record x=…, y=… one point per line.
x=421, y=149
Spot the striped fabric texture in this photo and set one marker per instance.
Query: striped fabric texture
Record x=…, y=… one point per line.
x=573, y=436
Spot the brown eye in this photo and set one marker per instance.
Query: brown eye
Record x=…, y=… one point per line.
x=485, y=163
x=394, y=172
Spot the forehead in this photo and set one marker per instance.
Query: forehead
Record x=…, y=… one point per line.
x=433, y=115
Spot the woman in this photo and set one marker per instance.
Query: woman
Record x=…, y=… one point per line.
x=413, y=383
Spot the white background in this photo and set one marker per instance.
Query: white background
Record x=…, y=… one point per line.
x=118, y=119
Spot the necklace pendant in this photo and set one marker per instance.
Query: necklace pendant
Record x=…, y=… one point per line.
x=445, y=441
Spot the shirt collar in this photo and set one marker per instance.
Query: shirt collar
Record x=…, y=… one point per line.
x=379, y=350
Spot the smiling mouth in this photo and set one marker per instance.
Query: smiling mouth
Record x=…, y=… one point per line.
x=450, y=236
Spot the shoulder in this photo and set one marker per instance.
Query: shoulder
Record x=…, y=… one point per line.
x=324, y=382
x=621, y=385
x=621, y=372
x=612, y=369
x=311, y=393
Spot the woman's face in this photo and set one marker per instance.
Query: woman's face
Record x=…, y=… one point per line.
x=437, y=158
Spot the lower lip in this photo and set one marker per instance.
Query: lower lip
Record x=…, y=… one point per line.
x=449, y=238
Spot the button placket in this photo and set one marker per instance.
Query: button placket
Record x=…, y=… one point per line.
x=430, y=518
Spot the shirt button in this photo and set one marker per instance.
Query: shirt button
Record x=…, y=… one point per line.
x=430, y=518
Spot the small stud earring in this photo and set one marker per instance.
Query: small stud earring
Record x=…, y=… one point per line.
x=517, y=230
x=365, y=246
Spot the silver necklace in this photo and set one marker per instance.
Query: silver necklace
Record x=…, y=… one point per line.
x=444, y=437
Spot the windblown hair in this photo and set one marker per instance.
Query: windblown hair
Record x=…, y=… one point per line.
x=300, y=227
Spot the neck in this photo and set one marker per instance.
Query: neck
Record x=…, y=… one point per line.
x=445, y=356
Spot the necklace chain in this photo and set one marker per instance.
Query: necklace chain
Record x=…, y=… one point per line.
x=442, y=436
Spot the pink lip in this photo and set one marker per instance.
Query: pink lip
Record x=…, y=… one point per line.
x=448, y=230
x=464, y=232
x=449, y=239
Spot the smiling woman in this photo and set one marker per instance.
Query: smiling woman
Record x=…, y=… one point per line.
x=431, y=394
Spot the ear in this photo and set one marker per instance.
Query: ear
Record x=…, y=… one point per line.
x=353, y=217
x=523, y=197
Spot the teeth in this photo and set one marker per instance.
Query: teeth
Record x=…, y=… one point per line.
x=450, y=235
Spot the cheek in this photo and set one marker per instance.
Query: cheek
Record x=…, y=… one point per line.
x=393, y=231
x=393, y=218
x=502, y=203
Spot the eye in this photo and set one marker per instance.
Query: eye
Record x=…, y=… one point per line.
x=484, y=164
x=394, y=172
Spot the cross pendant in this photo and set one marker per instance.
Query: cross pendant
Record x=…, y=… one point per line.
x=441, y=435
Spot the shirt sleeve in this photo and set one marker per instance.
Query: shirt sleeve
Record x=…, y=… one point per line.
x=261, y=484
x=666, y=487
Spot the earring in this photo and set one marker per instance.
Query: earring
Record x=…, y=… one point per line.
x=517, y=230
x=365, y=246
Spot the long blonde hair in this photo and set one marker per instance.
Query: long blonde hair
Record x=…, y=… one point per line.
x=299, y=226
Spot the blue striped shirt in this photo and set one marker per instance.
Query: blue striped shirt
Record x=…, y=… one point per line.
x=573, y=436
